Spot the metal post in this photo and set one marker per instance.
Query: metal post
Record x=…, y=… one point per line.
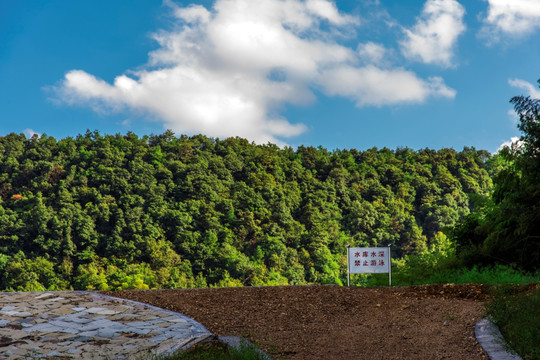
x=348, y=267
x=389, y=267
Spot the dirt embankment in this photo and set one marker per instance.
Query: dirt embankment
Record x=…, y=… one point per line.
x=332, y=322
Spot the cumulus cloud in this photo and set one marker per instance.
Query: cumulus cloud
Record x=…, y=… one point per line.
x=513, y=143
x=328, y=10
x=373, y=86
x=373, y=53
x=30, y=133
x=432, y=39
x=529, y=88
x=228, y=70
x=191, y=14
x=513, y=116
x=511, y=17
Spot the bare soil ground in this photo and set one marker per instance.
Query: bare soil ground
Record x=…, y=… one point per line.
x=333, y=322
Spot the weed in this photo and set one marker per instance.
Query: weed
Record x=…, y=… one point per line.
x=517, y=315
x=217, y=351
x=419, y=271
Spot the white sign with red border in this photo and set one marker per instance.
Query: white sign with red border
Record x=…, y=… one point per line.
x=369, y=260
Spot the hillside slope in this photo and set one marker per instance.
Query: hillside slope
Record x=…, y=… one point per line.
x=119, y=211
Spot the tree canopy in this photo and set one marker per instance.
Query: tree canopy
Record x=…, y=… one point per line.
x=507, y=228
x=164, y=211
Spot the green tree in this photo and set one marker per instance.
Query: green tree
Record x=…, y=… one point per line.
x=507, y=230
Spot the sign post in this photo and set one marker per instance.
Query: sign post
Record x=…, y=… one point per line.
x=373, y=260
x=348, y=267
x=389, y=267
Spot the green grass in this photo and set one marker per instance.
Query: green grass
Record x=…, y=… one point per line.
x=429, y=269
x=517, y=314
x=217, y=351
x=495, y=275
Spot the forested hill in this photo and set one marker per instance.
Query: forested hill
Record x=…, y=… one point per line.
x=103, y=211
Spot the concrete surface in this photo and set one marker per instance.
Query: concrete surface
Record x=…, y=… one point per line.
x=491, y=340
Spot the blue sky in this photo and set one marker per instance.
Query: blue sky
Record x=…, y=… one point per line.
x=347, y=74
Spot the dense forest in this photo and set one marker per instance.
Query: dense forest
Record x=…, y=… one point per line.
x=121, y=211
x=506, y=228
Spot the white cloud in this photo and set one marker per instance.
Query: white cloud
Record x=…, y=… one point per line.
x=373, y=53
x=373, y=86
x=513, y=116
x=513, y=143
x=511, y=17
x=228, y=70
x=433, y=37
x=529, y=88
x=30, y=133
x=327, y=10
x=192, y=14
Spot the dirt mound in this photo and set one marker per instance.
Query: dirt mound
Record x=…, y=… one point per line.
x=333, y=322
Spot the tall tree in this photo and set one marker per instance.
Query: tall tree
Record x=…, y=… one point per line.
x=507, y=230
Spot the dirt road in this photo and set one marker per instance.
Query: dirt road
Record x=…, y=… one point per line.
x=333, y=322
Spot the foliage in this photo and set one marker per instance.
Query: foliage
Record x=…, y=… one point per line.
x=161, y=211
x=516, y=315
x=218, y=351
x=506, y=228
x=419, y=270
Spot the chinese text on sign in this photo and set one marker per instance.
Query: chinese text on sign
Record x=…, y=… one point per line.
x=369, y=260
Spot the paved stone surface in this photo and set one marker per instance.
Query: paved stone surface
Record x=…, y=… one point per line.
x=84, y=325
x=492, y=341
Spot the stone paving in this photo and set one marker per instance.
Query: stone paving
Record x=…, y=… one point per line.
x=85, y=325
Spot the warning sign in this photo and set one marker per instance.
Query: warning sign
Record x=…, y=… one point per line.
x=369, y=260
